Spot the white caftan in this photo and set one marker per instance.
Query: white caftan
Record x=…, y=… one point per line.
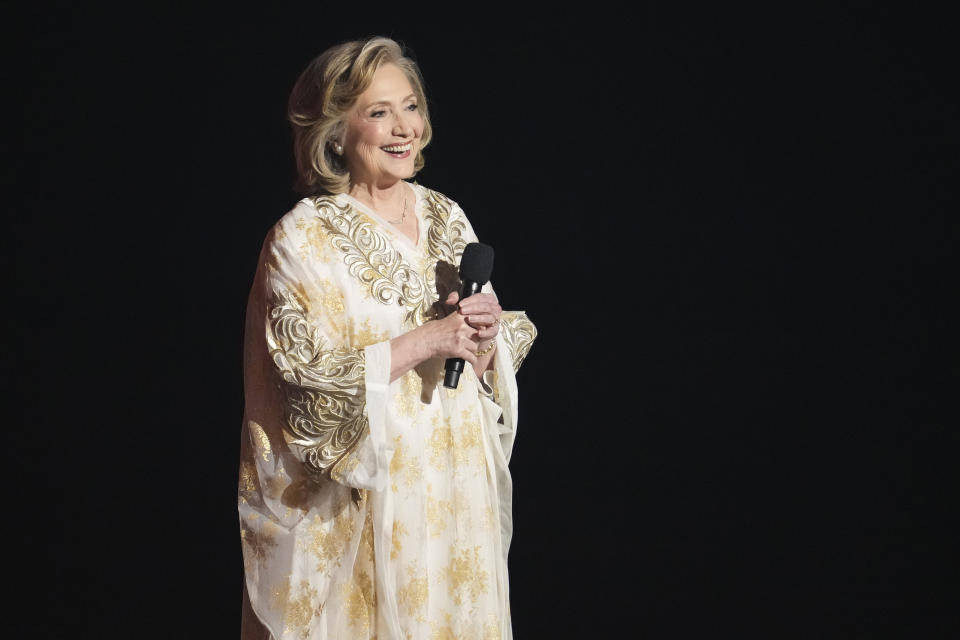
x=370, y=508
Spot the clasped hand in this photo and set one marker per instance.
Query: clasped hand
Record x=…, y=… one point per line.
x=467, y=328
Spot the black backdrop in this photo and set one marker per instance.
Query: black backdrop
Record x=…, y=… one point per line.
x=730, y=227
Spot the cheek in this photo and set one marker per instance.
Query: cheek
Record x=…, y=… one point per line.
x=367, y=133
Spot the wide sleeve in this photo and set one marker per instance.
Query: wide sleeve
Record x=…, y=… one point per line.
x=328, y=387
x=516, y=336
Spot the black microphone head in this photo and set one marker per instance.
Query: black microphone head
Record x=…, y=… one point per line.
x=476, y=264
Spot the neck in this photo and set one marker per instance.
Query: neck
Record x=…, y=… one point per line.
x=378, y=197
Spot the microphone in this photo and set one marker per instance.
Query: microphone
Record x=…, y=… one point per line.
x=476, y=263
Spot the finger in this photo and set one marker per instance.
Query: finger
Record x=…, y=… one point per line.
x=473, y=309
x=466, y=349
x=470, y=356
x=478, y=299
x=452, y=298
x=488, y=332
x=482, y=320
x=482, y=298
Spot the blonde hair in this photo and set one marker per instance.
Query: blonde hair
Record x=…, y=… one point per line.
x=323, y=95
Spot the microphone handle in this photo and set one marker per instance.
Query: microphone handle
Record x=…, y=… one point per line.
x=454, y=366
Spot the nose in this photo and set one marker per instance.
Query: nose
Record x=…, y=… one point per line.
x=402, y=125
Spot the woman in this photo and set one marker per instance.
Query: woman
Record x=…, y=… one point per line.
x=373, y=501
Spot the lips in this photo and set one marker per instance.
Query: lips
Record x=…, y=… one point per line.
x=398, y=149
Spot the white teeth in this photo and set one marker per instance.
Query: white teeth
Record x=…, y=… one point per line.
x=397, y=148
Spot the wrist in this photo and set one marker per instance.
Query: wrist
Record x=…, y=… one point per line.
x=484, y=349
x=417, y=346
x=423, y=338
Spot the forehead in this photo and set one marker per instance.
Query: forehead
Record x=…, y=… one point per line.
x=389, y=83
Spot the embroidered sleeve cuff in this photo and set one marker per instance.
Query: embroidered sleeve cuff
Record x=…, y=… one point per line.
x=518, y=335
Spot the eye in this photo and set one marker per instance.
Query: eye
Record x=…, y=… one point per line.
x=379, y=113
x=412, y=107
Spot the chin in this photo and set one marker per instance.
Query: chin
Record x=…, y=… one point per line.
x=401, y=174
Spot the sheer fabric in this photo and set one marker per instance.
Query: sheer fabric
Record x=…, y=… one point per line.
x=369, y=508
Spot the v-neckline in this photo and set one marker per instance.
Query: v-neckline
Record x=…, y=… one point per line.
x=386, y=223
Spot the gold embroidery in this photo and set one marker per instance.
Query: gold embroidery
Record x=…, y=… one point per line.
x=519, y=333
x=413, y=595
x=331, y=300
x=437, y=512
x=317, y=239
x=462, y=446
x=324, y=388
x=402, y=466
x=468, y=447
x=444, y=632
x=465, y=576
x=344, y=467
x=328, y=540
x=248, y=478
x=445, y=236
x=398, y=532
x=363, y=335
x=371, y=258
x=464, y=509
x=359, y=595
x=359, y=601
x=440, y=445
x=298, y=610
x=366, y=534
x=260, y=441
x=407, y=400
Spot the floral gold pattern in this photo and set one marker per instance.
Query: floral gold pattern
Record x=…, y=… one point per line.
x=402, y=466
x=465, y=578
x=359, y=601
x=437, y=513
x=413, y=595
x=329, y=539
x=297, y=606
x=351, y=482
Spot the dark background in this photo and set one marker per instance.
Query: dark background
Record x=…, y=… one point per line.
x=730, y=227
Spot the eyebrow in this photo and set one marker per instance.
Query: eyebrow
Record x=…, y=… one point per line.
x=387, y=102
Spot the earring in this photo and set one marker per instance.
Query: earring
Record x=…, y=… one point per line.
x=337, y=148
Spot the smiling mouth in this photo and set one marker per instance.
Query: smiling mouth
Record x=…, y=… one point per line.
x=398, y=149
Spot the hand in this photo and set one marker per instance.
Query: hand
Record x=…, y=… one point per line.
x=482, y=311
x=451, y=336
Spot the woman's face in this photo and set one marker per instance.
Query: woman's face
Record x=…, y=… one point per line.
x=383, y=130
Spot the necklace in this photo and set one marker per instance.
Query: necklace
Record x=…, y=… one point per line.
x=403, y=214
